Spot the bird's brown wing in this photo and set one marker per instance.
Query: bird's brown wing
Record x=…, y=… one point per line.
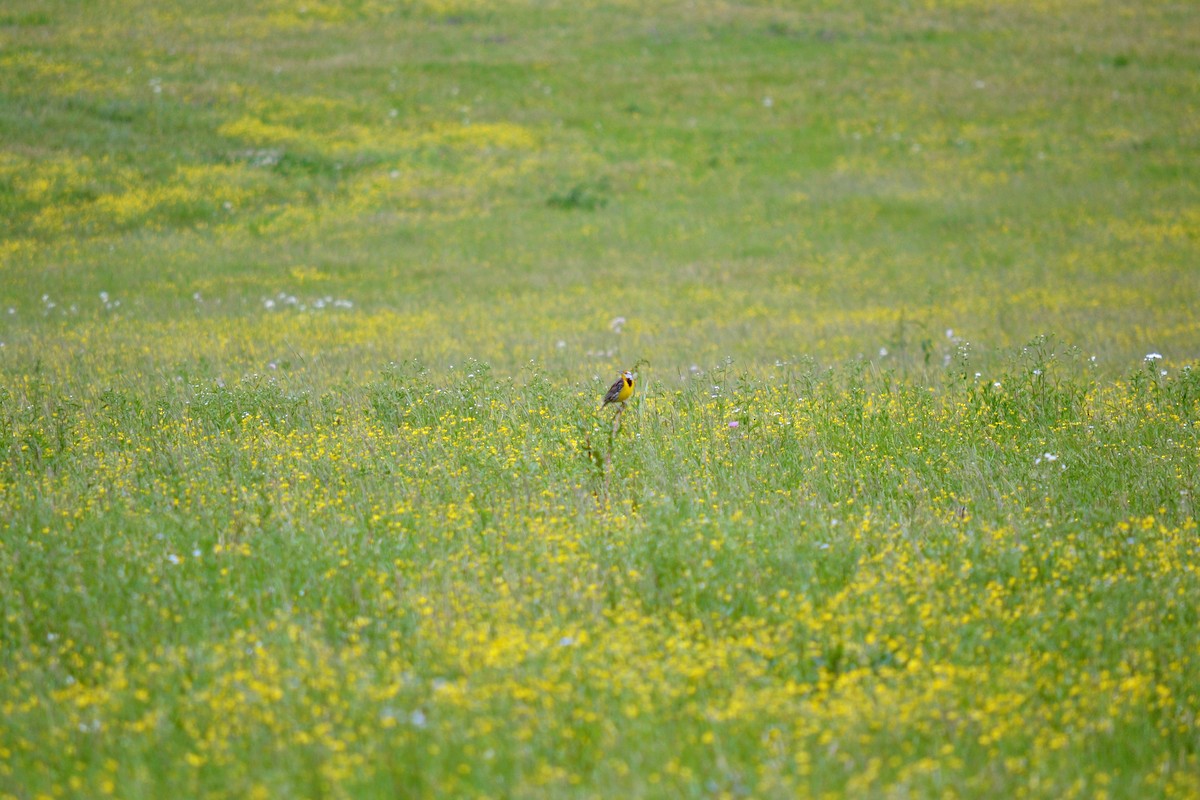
x=614, y=391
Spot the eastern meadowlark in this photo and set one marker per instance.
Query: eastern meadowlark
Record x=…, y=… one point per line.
x=620, y=391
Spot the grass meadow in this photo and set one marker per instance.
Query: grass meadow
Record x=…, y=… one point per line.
x=307, y=308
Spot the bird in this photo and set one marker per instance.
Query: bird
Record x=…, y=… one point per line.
x=620, y=391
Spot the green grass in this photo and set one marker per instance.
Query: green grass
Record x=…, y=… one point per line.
x=306, y=311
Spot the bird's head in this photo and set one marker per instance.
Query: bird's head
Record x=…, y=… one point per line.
x=628, y=375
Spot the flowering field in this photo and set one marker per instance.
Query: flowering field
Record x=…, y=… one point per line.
x=306, y=311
